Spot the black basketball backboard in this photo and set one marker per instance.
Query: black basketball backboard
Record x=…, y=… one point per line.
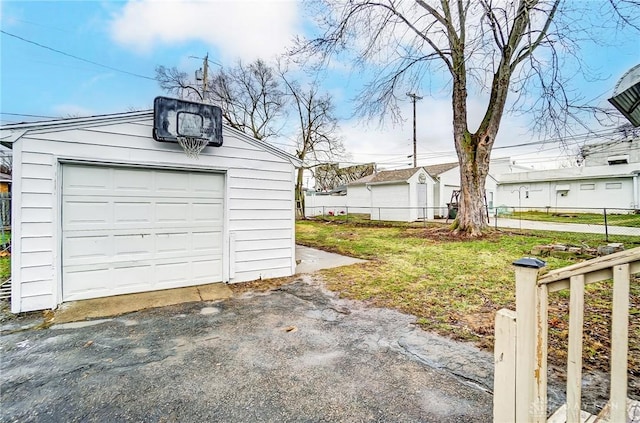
x=173, y=118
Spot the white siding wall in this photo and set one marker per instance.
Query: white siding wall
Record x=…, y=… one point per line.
x=317, y=205
x=389, y=202
x=259, y=206
x=585, y=193
x=359, y=199
x=449, y=182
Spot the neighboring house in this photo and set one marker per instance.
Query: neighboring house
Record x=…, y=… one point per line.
x=359, y=195
x=611, y=186
x=5, y=184
x=101, y=209
x=403, y=195
x=611, y=153
x=398, y=195
x=609, y=177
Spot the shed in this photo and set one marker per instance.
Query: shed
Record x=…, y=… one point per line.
x=100, y=209
x=402, y=195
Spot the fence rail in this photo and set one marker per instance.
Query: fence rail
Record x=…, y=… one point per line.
x=521, y=340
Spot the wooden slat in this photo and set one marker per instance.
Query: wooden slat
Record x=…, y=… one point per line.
x=542, y=349
x=560, y=416
x=619, y=342
x=574, y=353
x=504, y=396
x=600, y=263
x=632, y=410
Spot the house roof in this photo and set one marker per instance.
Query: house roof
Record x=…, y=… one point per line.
x=13, y=132
x=399, y=175
x=435, y=170
x=363, y=180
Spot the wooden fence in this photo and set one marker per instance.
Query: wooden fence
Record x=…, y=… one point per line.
x=520, y=385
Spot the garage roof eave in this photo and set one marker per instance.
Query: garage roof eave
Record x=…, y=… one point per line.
x=296, y=162
x=76, y=121
x=9, y=136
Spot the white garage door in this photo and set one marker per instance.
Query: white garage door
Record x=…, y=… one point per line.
x=132, y=230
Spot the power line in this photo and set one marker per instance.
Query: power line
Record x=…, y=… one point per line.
x=76, y=57
x=27, y=115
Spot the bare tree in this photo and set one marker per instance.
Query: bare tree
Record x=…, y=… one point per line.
x=330, y=176
x=495, y=46
x=317, y=140
x=250, y=96
x=177, y=83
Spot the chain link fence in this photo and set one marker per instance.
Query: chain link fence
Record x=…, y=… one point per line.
x=5, y=245
x=609, y=222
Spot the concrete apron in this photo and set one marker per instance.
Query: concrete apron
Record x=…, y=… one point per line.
x=309, y=260
x=121, y=304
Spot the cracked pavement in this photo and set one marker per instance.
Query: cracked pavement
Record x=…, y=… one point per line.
x=294, y=354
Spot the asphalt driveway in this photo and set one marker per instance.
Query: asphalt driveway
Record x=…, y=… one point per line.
x=295, y=354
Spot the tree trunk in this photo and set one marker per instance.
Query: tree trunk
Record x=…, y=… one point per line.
x=474, y=168
x=300, y=214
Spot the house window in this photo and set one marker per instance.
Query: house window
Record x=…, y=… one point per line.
x=614, y=160
x=613, y=185
x=587, y=187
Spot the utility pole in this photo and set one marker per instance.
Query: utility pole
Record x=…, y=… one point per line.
x=202, y=75
x=414, y=97
x=205, y=67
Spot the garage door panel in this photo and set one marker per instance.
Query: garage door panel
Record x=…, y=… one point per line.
x=172, y=242
x=167, y=183
x=204, y=269
x=172, y=212
x=88, y=283
x=91, y=179
x=133, y=180
x=129, y=212
x=132, y=277
x=172, y=272
x=133, y=245
x=132, y=230
x=86, y=248
x=207, y=213
x=201, y=184
x=80, y=214
x=206, y=241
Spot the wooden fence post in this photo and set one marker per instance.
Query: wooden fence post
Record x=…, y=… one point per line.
x=531, y=324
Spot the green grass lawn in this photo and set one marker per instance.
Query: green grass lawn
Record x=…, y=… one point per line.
x=5, y=268
x=455, y=286
x=613, y=219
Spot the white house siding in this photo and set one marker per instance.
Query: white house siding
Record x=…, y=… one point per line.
x=259, y=228
x=388, y=202
x=581, y=194
x=359, y=199
x=449, y=181
x=318, y=205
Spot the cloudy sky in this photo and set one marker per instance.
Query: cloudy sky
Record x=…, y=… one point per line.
x=73, y=58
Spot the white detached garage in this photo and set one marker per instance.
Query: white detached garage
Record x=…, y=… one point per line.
x=100, y=208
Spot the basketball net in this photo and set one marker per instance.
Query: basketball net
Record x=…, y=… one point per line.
x=192, y=146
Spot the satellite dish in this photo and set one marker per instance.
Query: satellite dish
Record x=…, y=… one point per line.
x=626, y=95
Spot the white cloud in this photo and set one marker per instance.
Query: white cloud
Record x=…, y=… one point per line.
x=239, y=29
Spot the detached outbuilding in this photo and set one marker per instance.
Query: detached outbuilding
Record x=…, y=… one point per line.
x=100, y=209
